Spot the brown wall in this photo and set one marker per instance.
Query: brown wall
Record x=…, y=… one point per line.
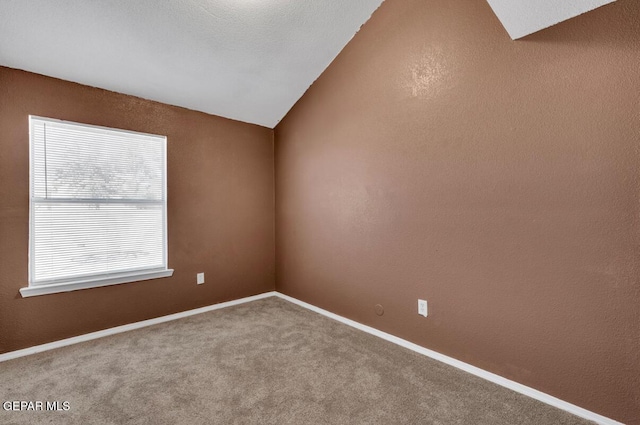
x=220, y=211
x=498, y=179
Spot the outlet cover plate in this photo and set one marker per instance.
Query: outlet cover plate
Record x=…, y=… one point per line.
x=422, y=308
x=200, y=278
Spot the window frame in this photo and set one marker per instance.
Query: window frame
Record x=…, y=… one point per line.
x=93, y=280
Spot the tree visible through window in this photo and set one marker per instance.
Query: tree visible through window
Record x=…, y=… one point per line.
x=98, y=204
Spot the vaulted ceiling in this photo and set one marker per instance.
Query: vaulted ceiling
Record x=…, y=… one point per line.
x=523, y=17
x=248, y=60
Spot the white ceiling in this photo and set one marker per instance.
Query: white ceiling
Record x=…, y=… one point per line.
x=524, y=17
x=248, y=60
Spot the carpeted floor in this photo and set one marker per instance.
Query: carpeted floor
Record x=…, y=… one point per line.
x=265, y=362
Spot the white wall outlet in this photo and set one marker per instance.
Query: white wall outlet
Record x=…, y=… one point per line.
x=422, y=308
x=200, y=278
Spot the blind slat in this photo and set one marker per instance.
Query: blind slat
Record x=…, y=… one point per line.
x=98, y=203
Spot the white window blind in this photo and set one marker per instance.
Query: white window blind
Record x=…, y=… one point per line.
x=98, y=205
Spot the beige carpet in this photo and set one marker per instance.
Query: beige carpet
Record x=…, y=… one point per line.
x=265, y=362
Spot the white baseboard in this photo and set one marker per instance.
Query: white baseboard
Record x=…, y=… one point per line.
x=129, y=327
x=492, y=377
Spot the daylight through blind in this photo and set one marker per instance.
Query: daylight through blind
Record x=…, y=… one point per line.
x=98, y=204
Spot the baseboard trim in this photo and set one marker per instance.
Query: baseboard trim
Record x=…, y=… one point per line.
x=481, y=373
x=129, y=327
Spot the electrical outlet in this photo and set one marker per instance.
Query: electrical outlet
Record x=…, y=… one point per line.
x=422, y=308
x=200, y=278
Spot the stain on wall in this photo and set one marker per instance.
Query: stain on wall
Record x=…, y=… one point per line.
x=220, y=211
x=500, y=180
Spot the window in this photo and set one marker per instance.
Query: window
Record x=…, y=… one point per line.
x=98, y=212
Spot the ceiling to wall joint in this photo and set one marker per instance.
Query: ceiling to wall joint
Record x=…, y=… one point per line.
x=523, y=17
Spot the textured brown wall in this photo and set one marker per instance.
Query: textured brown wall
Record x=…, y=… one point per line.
x=500, y=180
x=220, y=211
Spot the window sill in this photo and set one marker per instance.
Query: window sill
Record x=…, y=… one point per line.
x=32, y=291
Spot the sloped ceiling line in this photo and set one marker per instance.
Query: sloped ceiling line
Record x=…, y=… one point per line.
x=248, y=60
x=524, y=17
